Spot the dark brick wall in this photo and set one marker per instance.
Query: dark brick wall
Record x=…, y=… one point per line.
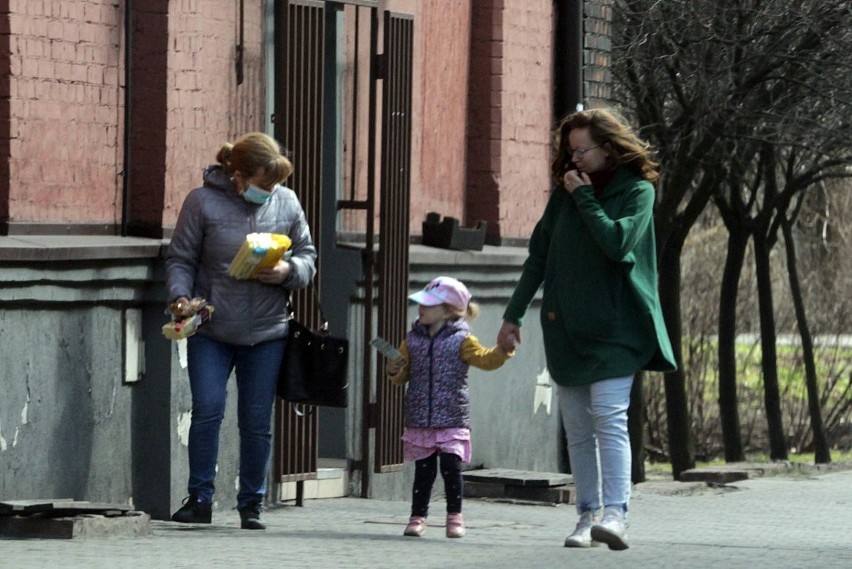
x=597, y=77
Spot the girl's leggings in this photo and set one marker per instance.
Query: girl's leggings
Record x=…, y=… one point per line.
x=424, y=477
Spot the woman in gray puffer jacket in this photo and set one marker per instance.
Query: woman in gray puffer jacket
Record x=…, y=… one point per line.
x=241, y=194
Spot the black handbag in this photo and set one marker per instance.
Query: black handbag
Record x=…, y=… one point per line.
x=314, y=368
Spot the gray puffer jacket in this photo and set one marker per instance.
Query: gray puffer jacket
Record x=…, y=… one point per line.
x=211, y=228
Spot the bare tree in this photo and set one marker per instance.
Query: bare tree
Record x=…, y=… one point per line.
x=713, y=85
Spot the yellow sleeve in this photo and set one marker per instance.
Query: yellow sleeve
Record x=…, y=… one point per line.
x=401, y=378
x=477, y=355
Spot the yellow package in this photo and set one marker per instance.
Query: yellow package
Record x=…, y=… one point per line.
x=259, y=251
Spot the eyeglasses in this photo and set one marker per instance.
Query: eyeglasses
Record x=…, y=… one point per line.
x=582, y=151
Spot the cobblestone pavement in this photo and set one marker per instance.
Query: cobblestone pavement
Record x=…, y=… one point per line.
x=773, y=522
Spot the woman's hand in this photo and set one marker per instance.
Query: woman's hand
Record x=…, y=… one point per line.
x=509, y=337
x=180, y=308
x=275, y=275
x=573, y=179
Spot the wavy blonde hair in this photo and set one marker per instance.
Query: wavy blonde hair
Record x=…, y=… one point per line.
x=610, y=130
x=252, y=153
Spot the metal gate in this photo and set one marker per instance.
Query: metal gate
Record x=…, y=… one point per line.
x=396, y=62
x=299, y=44
x=299, y=98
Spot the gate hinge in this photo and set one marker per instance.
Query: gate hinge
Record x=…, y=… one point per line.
x=381, y=63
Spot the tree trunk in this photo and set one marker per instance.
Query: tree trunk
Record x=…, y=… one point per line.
x=636, y=427
x=822, y=452
x=769, y=361
x=677, y=410
x=729, y=415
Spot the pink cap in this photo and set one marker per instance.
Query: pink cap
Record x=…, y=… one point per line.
x=443, y=290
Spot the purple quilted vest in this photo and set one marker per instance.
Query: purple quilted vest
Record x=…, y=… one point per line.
x=438, y=395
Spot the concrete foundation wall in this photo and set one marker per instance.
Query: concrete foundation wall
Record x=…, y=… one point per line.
x=96, y=407
x=83, y=418
x=65, y=415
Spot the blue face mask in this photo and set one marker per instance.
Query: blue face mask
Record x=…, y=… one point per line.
x=255, y=195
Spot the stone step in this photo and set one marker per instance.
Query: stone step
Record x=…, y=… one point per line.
x=519, y=485
x=331, y=482
x=734, y=472
x=517, y=477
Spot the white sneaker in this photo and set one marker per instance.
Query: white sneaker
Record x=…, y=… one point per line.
x=582, y=535
x=611, y=529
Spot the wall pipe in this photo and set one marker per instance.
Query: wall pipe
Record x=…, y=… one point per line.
x=128, y=76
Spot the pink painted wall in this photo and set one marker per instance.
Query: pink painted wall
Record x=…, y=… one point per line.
x=206, y=107
x=442, y=30
x=65, y=107
x=66, y=101
x=66, y=104
x=527, y=114
x=513, y=102
x=510, y=116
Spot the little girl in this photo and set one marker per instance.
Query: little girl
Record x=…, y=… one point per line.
x=436, y=355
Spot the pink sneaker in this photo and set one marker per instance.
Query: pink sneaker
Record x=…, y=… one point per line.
x=455, y=525
x=416, y=526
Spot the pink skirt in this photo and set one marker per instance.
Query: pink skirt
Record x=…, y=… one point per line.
x=419, y=443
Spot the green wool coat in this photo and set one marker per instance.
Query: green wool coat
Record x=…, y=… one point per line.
x=600, y=311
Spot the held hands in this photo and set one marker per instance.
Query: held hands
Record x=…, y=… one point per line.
x=275, y=275
x=573, y=179
x=509, y=337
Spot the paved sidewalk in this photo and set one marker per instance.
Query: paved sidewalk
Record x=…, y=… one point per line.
x=769, y=522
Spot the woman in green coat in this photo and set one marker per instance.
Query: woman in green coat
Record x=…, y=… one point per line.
x=594, y=252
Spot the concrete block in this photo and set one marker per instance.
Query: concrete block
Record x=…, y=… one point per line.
x=134, y=524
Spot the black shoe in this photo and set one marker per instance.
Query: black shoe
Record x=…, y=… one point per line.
x=194, y=511
x=250, y=518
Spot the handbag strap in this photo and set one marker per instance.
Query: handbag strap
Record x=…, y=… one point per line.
x=322, y=329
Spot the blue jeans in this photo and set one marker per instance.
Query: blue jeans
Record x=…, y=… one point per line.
x=210, y=365
x=595, y=419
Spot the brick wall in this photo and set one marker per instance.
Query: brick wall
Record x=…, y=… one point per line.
x=597, y=76
x=527, y=114
x=510, y=115
x=484, y=124
x=205, y=105
x=442, y=29
x=63, y=109
x=62, y=104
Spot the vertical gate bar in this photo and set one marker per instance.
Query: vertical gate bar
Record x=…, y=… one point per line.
x=356, y=68
x=369, y=267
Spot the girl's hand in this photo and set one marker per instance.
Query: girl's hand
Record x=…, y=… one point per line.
x=509, y=337
x=275, y=275
x=395, y=366
x=573, y=179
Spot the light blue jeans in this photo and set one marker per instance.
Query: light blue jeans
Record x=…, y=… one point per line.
x=595, y=419
x=210, y=365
